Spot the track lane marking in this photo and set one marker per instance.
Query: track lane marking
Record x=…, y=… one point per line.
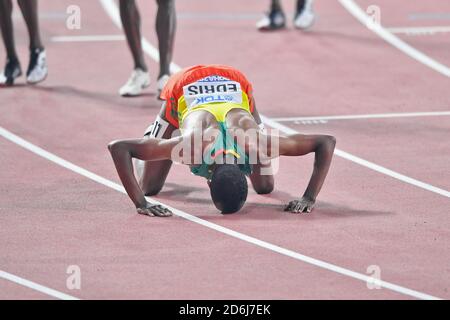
x=35, y=286
x=392, y=39
x=365, y=116
x=241, y=236
x=89, y=38
x=418, y=31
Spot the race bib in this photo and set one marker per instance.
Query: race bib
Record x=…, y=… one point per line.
x=212, y=89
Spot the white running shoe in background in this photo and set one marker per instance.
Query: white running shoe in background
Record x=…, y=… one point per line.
x=162, y=83
x=272, y=21
x=305, y=18
x=10, y=73
x=37, y=69
x=138, y=81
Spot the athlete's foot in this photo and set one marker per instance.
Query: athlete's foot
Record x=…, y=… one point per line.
x=162, y=81
x=138, y=81
x=304, y=18
x=10, y=73
x=274, y=20
x=37, y=68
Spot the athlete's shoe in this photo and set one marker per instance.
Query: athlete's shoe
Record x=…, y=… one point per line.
x=304, y=18
x=10, y=73
x=273, y=20
x=162, y=81
x=37, y=69
x=138, y=81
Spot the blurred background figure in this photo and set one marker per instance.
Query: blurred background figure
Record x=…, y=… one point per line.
x=165, y=29
x=37, y=67
x=276, y=19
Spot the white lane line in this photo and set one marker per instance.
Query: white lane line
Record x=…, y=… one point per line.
x=260, y=243
x=35, y=286
x=89, y=38
x=365, y=163
x=362, y=17
x=365, y=116
x=419, y=30
x=215, y=16
x=429, y=16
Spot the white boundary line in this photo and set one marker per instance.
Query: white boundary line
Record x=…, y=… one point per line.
x=260, y=243
x=89, y=38
x=419, y=30
x=35, y=286
x=365, y=116
x=362, y=17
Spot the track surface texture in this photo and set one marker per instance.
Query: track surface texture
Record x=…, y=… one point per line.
x=52, y=218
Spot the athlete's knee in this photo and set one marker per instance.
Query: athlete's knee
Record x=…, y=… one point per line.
x=264, y=187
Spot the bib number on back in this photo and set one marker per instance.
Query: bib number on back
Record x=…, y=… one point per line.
x=212, y=89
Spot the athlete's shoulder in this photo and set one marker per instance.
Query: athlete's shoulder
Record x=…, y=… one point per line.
x=180, y=79
x=194, y=73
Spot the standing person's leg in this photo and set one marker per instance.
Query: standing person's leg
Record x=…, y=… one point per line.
x=274, y=19
x=29, y=10
x=12, y=68
x=275, y=5
x=304, y=14
x=37, y=68
x=131, y=22
x=166, y=23
x=7, y=28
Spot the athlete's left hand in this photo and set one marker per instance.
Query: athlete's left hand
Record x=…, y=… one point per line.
x=304, y=204
x=152, y=210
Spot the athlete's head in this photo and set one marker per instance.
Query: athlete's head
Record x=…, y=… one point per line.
x=228, y=187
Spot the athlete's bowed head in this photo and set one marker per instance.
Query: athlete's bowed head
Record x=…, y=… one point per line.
x=228, y=187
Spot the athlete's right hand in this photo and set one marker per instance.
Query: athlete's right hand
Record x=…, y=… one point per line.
x=152, y=210
x=303, y=204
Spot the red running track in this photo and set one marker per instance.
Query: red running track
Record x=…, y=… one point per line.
x=52, y=218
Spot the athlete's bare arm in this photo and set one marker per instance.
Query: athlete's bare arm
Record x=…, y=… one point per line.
x=298, y=145
x=155, y=152
x=151, y=149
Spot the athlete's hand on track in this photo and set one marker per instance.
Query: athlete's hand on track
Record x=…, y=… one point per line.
x=302, y=205
x=152, y=210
